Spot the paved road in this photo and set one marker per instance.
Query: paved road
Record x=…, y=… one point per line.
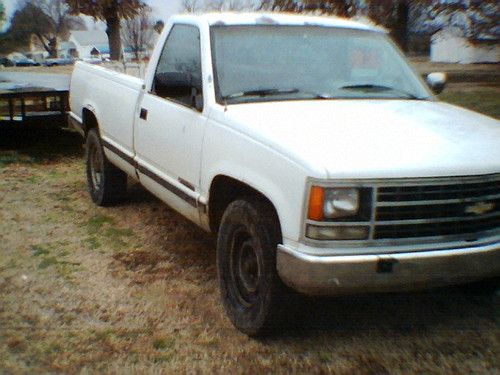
x=20, y=80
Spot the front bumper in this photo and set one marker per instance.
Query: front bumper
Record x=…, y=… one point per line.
x=346, y=274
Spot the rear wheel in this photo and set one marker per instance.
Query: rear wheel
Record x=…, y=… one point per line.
x=251, y=290
x=106, y=183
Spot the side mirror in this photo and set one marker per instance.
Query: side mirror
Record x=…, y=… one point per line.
x=173, y=85
x=437, y=82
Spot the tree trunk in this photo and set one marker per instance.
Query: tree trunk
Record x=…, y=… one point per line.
x=113, y=31
x=401, y=27
x=53, y=47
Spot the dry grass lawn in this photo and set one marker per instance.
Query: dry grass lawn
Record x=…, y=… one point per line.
x=65, y=69
x=132, y=289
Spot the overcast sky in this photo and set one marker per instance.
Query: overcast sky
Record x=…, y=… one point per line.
x=162, y=9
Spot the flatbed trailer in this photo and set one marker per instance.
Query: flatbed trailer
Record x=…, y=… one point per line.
x=28, y=108
x=29, y=99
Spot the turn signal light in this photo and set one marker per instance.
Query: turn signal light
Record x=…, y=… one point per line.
x=316, y=198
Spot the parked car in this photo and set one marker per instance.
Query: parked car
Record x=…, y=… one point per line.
x=58, y=61
x=24, y=61
x=94, y=60
x=309, y=147
x=6, y=62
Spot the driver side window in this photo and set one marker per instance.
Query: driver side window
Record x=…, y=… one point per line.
x=178, y=74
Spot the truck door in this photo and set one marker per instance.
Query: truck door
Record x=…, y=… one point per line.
x=171, y=123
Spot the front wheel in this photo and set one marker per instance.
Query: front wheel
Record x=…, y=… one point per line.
x=107, y=184
x=251, y=291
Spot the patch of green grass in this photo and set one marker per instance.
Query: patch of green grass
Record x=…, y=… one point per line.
x=484, y=100
x=12, y=157
x=52, y=348
x=163, y=358
x=324, y=356
x=101, y=229
x=162, y=343
x=47, y=262
x=93, y=243
x=62, y=196
x=63, y=268
x=55, y=174
x=96, y=222
x=39, y=250
x=118, y=232
x=116, y=236
x=33, y=179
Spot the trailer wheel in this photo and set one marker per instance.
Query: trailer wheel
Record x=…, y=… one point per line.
x=251, y=290
x=106, y=183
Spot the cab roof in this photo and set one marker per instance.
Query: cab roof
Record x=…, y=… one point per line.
x=268, y=18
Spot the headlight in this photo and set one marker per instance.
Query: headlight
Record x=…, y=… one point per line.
x=340, y=203
x=332, y=203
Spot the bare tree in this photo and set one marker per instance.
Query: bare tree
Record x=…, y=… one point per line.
x=191, y=6
x=279, y=5
x=217, y=5
x=477, y=19
x=237, y=5
x=138, y=32
x=112, y=12
x=58, y=22
x=343, y=8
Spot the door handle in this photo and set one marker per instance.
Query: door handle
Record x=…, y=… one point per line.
x=144, y=114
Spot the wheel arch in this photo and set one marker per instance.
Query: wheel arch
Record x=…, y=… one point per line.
x=224, y=190
x=89, y=120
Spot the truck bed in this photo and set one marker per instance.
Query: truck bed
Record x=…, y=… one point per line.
x=113, y=98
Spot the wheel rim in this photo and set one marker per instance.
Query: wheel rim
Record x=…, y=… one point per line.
x=244, y=267
x=95, y=158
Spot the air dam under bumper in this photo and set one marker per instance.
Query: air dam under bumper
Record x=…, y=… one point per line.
x=330, y=275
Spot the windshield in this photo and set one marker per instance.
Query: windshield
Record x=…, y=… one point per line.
x=265, y=63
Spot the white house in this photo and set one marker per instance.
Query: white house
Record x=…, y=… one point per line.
x=94, y=44
x=89, y=43
x=448, y=45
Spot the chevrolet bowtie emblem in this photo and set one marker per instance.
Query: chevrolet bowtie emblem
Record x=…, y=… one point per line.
x=480, y=208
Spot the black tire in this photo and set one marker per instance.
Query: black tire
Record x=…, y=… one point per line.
x=106, y=183
x=251, y=290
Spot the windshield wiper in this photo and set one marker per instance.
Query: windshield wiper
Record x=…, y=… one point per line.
x=261, y=92
x=369, y=86
x=275, y=91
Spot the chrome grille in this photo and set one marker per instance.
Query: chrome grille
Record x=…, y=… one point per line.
x=463, y=207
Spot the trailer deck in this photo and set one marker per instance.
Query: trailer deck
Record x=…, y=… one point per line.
x=29, y=99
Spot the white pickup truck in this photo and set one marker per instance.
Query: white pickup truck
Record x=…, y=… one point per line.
x=312, y=150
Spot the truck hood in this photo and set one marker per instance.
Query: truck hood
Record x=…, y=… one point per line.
x=374, y=138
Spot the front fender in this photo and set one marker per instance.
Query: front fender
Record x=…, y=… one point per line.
x=232, y=154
